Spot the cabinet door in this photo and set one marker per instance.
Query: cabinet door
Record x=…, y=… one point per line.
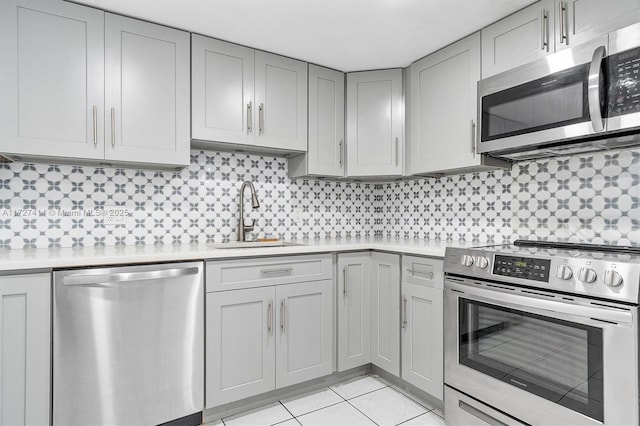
x=240, y=347
x=52, y=81
x=221, y=91
x=519, y=38
x=304, y=332
x=25, y=351
x=443, y=108
x=326, y=122
x=374, y=123
x=281, y=101
x=422, y=346
x=579, y=21
x=354, y=305
x=385, y=312
x=147, y=78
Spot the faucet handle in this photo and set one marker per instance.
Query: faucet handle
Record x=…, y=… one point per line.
x=249, y=228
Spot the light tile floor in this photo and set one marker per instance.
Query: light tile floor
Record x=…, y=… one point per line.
x=365, y=400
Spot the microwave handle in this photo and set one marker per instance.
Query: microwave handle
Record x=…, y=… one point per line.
x=595, y=71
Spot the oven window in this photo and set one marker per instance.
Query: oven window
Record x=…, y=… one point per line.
x=558, y=360
x=558, y=100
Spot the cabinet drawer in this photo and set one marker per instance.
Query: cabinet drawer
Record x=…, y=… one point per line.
x=423, y=270
x=246, y=273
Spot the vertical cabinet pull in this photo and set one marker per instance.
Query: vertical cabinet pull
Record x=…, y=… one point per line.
x=397, y=151
x=249, y=118
x=344, y=282
x=340, y=152
x=113, y=127
x=282, y=313
x=270, y=318
x=261, y=119
x=544, y=30
x=563, y=24
x=95, y=125
x=473, y=137
x=404, y=312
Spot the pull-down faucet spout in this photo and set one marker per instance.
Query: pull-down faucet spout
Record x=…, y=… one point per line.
x=242, y=228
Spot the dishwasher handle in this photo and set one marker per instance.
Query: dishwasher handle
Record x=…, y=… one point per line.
x=122, y=277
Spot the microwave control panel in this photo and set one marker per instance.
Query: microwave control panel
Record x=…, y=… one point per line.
x=624, y=87
x=522, y=267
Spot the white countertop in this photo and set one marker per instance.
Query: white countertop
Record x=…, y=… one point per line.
x=30, y=259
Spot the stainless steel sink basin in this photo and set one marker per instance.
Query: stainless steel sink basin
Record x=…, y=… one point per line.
x=255, y=244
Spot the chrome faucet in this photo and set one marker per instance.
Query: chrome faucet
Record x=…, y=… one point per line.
x=242, y=228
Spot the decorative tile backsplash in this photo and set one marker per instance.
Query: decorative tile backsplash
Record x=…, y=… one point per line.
x=592, y=197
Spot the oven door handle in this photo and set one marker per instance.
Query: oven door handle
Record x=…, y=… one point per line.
x=540, y=306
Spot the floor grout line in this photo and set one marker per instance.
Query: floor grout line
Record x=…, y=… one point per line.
x=357, y=409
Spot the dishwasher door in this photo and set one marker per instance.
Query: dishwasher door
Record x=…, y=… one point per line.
x=128, y=344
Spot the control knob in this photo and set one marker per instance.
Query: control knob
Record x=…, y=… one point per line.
x=481, y=262
x=467, y=260
x=612, y=278
x=587, y=275
x=564, y=272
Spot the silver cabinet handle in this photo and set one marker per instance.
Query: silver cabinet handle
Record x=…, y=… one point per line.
x=261, y=119
x=340, y=146
x=473, y=137
x=95, y=125
x=276, y=271
x=282, y=313
x=270, y=317
x=563, y=24
x=415, y=271
x=545, y=30
x=344, y=282
x=404, y=312
x=397, y=151
x=113, y=127
x=92, y=280
x=594, y=89
x=249, y=118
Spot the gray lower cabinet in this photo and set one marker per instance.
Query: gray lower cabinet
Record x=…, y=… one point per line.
x=422, y=324
x=72, y=85
x=385, y=312
x=25, y=351
x=267, y=337
x=353, y=307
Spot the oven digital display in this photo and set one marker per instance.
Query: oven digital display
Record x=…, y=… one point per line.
x=522, y=267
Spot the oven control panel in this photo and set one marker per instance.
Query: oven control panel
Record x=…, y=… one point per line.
x=527, y=268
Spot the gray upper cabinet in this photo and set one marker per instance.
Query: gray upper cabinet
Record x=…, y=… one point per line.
x=582, y=20
x=519, y=38
x=222, y=91
x=549, y=26
x=241, y=96
x=375, y=123
x=25, y=349
x=52, y=81
x=75, y=77
x=281, y=101
x=326, y=149
x=146, y=92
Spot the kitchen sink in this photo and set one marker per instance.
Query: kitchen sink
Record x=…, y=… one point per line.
x=255, y=244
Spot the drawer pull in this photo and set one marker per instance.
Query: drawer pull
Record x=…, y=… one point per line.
x=415, y=271
x=270, y=318
x=344, y=282
x=282, y=313
x=276, y=271
x=404, y=312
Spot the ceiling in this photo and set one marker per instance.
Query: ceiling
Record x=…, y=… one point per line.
x=348, y=35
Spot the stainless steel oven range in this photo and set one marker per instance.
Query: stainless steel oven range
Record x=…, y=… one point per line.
x=541, y=333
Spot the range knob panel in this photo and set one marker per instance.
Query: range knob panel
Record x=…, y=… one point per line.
x=481, y=262
x=587, y=275
x=467, y=260
x=612, y=278
x=564, y=272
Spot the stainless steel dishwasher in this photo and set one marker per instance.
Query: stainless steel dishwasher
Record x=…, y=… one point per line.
x=128, y=345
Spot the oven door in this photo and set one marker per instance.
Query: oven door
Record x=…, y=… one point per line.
x=541, y=357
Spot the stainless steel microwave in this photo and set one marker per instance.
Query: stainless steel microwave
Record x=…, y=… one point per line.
x=580, y=99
